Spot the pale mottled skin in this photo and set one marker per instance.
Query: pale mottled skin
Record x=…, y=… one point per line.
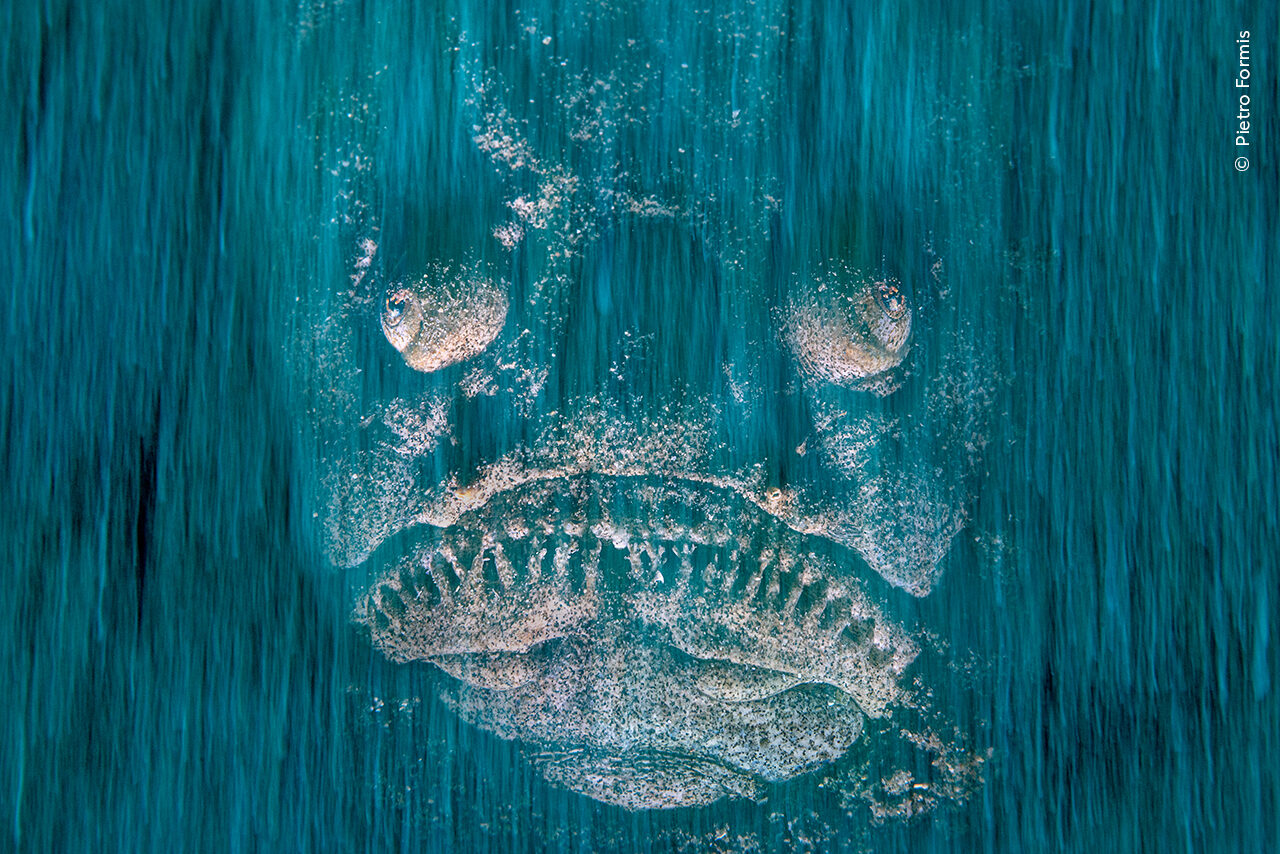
x=700, y=643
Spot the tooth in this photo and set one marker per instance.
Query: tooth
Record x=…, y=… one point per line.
x=774, y=587
x=805, y=578
x=732, y=572
x=786, y=562
x=564, y=551
x=789, y=608
x=591, y=568
x=633, y=558
x=428, y=571
x=636, y=554
x=536, y=556
x=686, y=567
x=710, y=571
x=813, y=595
x=430, y=592
x=753, y=583
x=475, y=576
x=842, y=622
x=814, y=620
x=421, y=569
x=657, y=555
x=452, y=569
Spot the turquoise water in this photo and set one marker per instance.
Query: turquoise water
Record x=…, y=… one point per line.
x=1057, y=497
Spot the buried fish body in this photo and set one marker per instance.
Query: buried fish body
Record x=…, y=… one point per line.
x=655, y=498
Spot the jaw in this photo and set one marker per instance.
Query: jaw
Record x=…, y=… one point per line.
x=608, y=620
x=626, y=719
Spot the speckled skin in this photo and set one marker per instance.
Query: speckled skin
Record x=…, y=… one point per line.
x=667, y=594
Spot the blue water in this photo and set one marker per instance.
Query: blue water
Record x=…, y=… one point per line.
x=205, y=208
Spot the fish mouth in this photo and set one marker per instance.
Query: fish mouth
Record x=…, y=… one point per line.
x=659, y=642
x=652, y=476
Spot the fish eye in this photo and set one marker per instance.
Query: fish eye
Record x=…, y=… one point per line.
x=847, y=328
x=890, y=298
x=444, y=317
x=396, y=305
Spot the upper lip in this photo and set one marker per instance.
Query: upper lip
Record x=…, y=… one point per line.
x=382, y=492
x=444, y=505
